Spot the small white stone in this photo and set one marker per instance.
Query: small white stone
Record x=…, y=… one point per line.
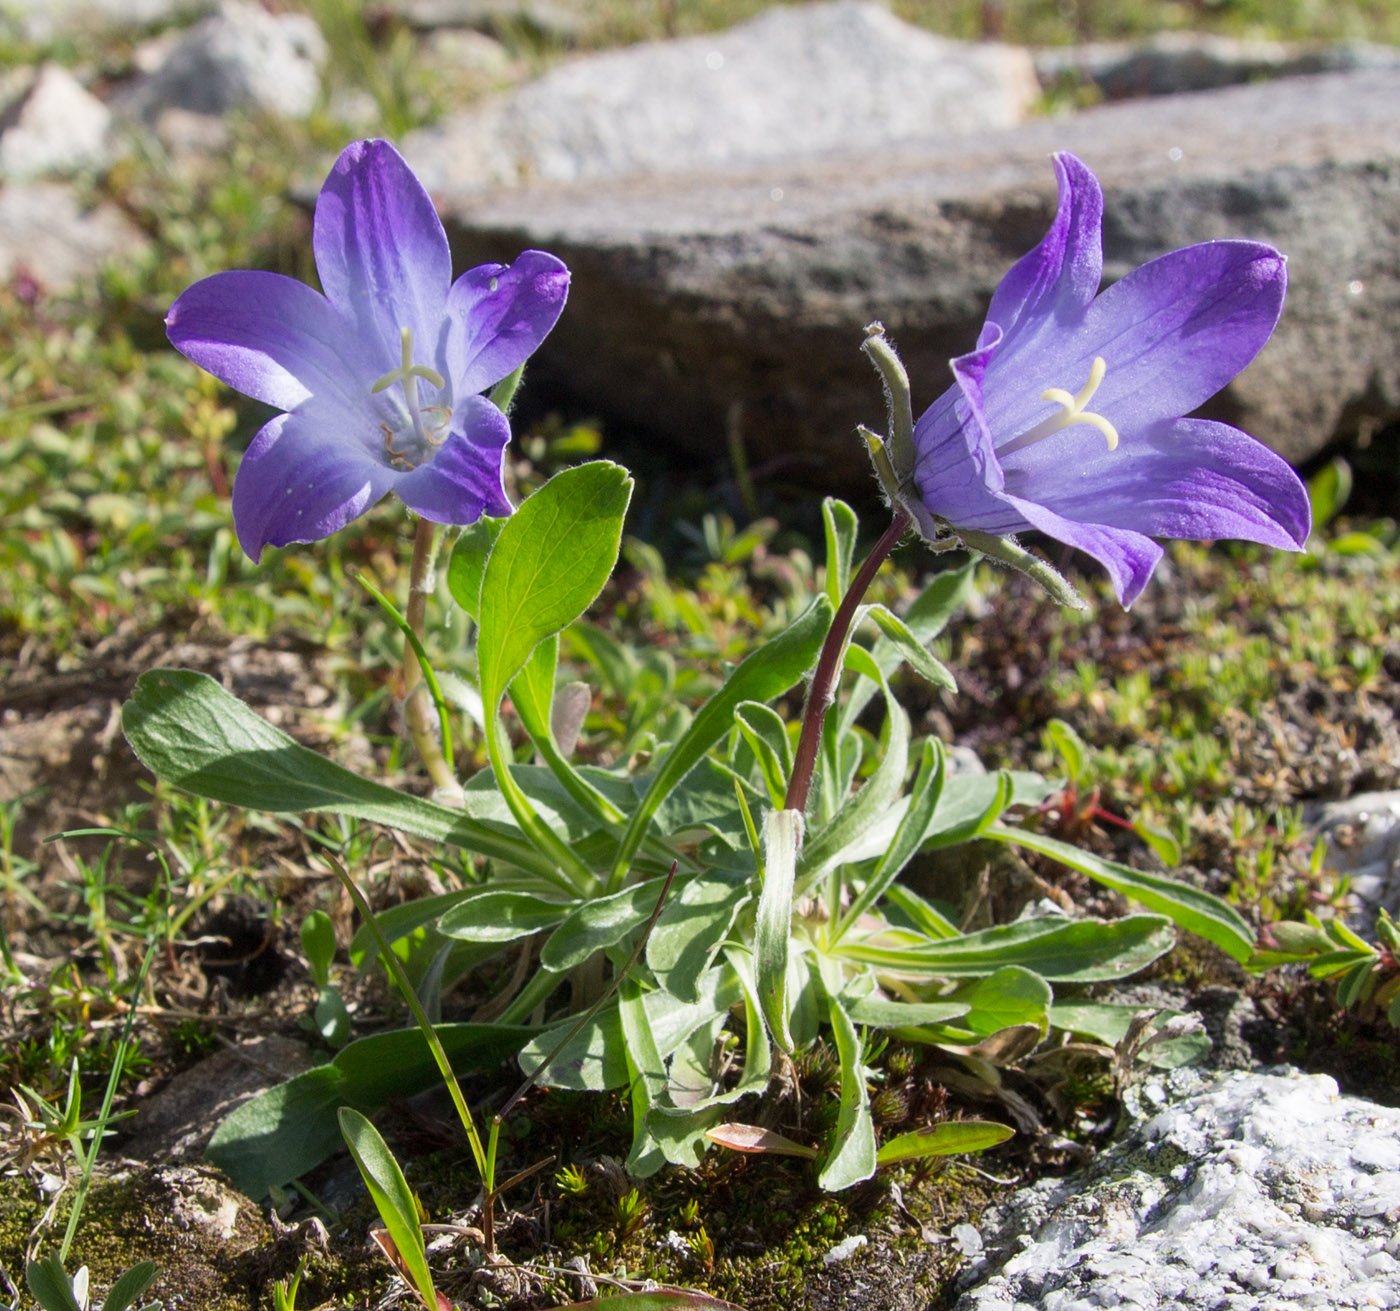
x=967, y=1240
x=845, y=1249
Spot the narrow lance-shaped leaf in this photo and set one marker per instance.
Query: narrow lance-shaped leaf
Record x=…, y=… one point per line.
x=861, y=811
x=187, y=730
x=947, y=1139
x=392, y=1198
x=1081, y=951
x=852, y=1155
x=1188, y=907
x=782, y=837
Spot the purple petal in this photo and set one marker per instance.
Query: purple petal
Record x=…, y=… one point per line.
x=381, y=251
x=270, y=337
x=498, y=314
x=301, y=480
x=1060, y=276
x=1173, y=332
x=463, y=480
x=1128, y=556
x=1193, y=479
x=955, y=465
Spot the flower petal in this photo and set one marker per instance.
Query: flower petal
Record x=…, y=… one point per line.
x=381, y=252
x=1128, y=556
x=1057, y=279
x=301, y=480
x=498, y=314
x=1173, y=332
x=955, y=465
x=463, y=480
x=270, y=337
x=1190, y=478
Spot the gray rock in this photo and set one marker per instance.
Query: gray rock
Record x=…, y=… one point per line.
x=1243, y=1192
x=792, y=81
x=561, y=23
x=1173, y=62
x=47, y=235
x=1363, y=842
x=44, y=20
x=175, y=1124
x=240, y=58
x=691, y=293
x=54, y=126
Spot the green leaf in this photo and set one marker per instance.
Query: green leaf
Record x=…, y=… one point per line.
x=878, y=1014
x=862, y=811
x=599, y=923
x=666, y=1299
x=318, y=942
x=129, y=1286
x=947, y=1139
x=1108, y=1023
x=766, y=733
x=852, y=1155
x=594, y=1059
x=467, y=565
x=392, y=1197
x=841, y=525
x=691, y=928
x=550, y=561
x=1009, y=997
x=504, y=916
x=1068, y=951
x=331, y=1018
x=926, y=617
x=908, y=837
x=187, y=730
x=766, y=673
x=782, y=837
x=911, y=650
x=646, y=1080
x=49, y=1283
x=282, y=1133
x=1188, y=907
x=1069, y=746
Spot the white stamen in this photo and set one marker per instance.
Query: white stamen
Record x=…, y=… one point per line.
x=1072, y=411
x=408, y=374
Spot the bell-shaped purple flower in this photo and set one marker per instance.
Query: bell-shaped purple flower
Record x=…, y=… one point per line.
x=380, y=378
x=1067, y=418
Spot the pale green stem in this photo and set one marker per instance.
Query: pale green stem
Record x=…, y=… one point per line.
x=421, y=723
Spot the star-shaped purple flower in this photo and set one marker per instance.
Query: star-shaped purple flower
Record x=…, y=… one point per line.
x=1067, y=418
x=380, y=378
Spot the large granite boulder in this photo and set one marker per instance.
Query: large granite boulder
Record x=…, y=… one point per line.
x=695, y=291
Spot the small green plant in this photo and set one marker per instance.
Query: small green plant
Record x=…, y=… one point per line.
x=571, y=1181
x=284, y=1291
x=330, y=1020
x=55, y=1291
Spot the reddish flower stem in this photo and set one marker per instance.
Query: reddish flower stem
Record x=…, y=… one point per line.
x=822, y=692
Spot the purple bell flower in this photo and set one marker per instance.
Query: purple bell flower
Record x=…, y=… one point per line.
x=380, y=378
x=1067, y=418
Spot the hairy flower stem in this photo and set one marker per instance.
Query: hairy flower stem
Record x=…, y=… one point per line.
x=822, y=692
x=422, y=729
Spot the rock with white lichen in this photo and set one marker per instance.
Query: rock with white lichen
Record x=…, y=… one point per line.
x=1241, y=1192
